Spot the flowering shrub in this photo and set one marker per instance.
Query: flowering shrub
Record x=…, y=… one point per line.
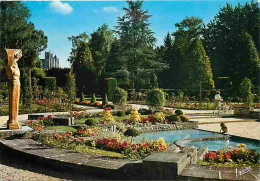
x=94, y=104
x=159, y=116
x=137, y=150
x=135, y=116
x=35, y=125
x=86, y=132
x=236, y=155
x=108, y=116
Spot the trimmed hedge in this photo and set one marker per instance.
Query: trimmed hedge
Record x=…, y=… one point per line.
x=110, y=85
x=50, y=83
x=155, y=98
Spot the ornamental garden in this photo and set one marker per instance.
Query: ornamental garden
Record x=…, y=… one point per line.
x=131, y=104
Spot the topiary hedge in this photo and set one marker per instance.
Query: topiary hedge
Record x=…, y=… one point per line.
x=120, y=97
x=155, y=98
x=110, y=85
x=50, y=83
x=178, y=112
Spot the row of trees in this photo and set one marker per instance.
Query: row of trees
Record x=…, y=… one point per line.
x=193, y=57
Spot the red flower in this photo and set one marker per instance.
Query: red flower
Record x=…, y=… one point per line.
x=162, y=108
x=49, y=116
x=41, y=118
x=173, y=108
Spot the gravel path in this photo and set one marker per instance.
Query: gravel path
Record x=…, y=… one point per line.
x=15, y=169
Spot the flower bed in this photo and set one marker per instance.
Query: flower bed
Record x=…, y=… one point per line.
x=71, y=140
x=239, y=155
x=95, y=104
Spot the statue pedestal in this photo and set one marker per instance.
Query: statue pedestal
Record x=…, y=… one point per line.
x=14, y=126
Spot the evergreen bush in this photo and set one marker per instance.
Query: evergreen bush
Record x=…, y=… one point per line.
x=120, y=113
x=105, y=100
x=90, y=122
x=93, y=98
x=178, y=112
x=120, y=97
x=110, y=86
x=132, y=132
x=155, y=98
x=82, y=97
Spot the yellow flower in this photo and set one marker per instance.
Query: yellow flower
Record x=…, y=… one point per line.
x=241, y=145
x=159, y=116
x=162, y=142
x=135, y=116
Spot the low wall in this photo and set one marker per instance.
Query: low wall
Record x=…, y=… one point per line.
x=168, y=127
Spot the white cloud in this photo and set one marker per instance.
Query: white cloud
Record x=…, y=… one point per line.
x=60, y=7
x=109, y=9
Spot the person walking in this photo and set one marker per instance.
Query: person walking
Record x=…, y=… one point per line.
x=218, y=101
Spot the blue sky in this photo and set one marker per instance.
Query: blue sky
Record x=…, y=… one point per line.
x=61, y=19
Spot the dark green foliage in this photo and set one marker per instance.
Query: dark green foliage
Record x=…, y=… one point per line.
x=70, y=88
x=59, y=74
x=247, y=60
x=184, y=118
x=110, y=86
x=91, y=122
x=82, y=63
x=50, y=83
x=26, y=86
x=120, y=96
x=178, y=112
x=18, y=32
x=226, y=50
x=120, y=113
x=82, y=98
x=155, y=98
x=136, y=40
x=173, y=118
x=105, y=100
x=132, y=132
x=245, y=90
x=93, y=98
x=197, y=64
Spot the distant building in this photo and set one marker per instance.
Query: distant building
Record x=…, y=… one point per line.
x=50, y=61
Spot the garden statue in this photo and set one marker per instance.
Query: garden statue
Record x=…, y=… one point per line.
x=13, y=74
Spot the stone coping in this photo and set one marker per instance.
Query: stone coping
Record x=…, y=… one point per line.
x=182, y=142
x=29, y=149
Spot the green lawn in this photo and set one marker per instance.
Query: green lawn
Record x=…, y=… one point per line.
x=63, y=128
x=98, y=119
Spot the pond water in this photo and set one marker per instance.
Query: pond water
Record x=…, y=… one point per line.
x=174, y=135
x=215, y=145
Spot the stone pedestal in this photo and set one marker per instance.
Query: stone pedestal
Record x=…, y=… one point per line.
x=13, y=74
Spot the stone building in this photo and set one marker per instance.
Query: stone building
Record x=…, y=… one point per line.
x=50, y=61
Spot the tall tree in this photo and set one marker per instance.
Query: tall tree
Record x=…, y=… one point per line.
x=196, y=68
x=100, y=46
x=17, y=32
x=166, y=53
x=220, y=35
x=136, y=45
x=82, y=62
x=246, y=60
x=192, y=68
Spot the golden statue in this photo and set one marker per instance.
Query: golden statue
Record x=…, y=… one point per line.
x=13, y=74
